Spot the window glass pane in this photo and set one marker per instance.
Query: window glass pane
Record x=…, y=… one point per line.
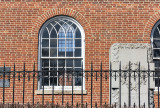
x=69, y=62
x=157, y=63
x=45, y=42
x=156, y=33
x=61, y=22
x=156, y=82
x=78, y=72
x=69, y=52
x=77, y=62
x=69, y=22
x=46, y=81
x=77, y=42
x=61, y=63
x=69, y=42
x=78, y=34
x=78, y=81
x=74, y=26
x=53, y=33
x=156, y=43
x=45, y=63
x=46, y=72
x=53, y=43
x=156, y=52
x=53, y=52
x=77, y=52
x=69, y=71
x=61, y=52
x=45, y=52
x=157, y=72
x=69, y=33
x=57, y=26
x=61, y=43
x=53, y=62
x=68, y=77
x=61, y=71
x=53, y=23
x=49, y=27
x=53, y=71
x=61, y=79
x=53, y=81
x=61, y=33
x=45, y=34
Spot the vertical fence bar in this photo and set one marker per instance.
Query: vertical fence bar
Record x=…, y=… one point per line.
x=13, y=82
x=158, y=87
x=91, y=82
x=129, y=72
x=110, y=85
x=63, y=86
x=43, y=85
x=101, y=87
x=4, y=84
x=139, y=85
x=72, y=85
x=148, y=85
x=82, y=86
x=120, y=85
x=37, y=80
x=23, y=83
x=53, y=86
x=33, y=82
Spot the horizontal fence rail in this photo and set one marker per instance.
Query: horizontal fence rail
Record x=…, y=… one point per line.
x=61, y=78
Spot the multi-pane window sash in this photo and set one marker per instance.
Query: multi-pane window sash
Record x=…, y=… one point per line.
x=61, y=49
x=155, y=41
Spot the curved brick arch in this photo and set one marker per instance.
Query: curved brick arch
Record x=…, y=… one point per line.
x=60, y=11
x=150, y=24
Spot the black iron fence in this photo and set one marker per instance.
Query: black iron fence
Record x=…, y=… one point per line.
x=76, y=78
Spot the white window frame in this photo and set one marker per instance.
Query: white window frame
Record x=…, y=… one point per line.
x=82, y=53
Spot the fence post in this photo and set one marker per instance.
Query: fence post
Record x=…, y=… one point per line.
x=23, y=83
x=82, y=86
x=43, y=85
x=101, y=87
x=63, y=85
x=148, y=85
x=33, y=81
x=129, y=72
x=110, y=83
x=120, y=85
x=53, y=71
x=4, y=84
x=13, y=82
x=139, y=84
x=158, y=87
x=91, y=82
x=72, y=85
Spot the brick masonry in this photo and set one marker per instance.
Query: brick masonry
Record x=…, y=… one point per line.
x=104, y=21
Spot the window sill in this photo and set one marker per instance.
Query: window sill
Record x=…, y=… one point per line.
x=49, y=92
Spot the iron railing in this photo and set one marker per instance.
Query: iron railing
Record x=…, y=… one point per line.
x=89, y=75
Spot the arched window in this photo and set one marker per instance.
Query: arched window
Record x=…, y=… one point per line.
x=155, y=42
x=61, y=45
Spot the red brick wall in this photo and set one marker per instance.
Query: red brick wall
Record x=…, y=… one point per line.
x=104, y=21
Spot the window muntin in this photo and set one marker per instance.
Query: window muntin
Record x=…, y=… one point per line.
x=155, y=42
x=61, y=46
